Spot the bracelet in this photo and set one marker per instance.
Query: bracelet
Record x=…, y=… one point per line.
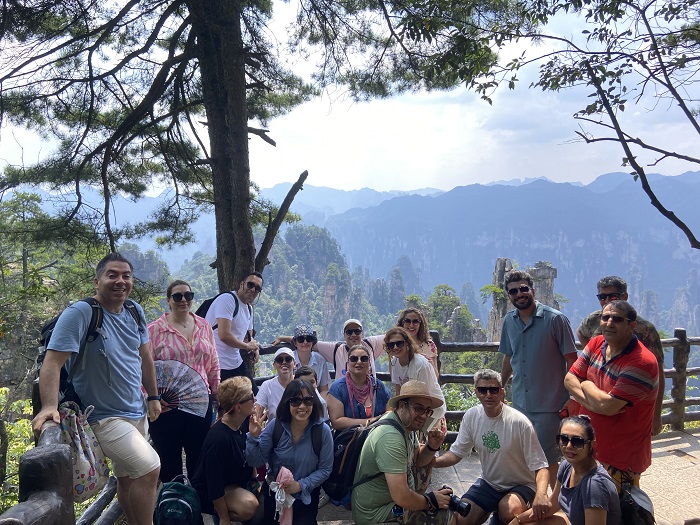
x=367, y=424
x=431, y=449
x=153, y=398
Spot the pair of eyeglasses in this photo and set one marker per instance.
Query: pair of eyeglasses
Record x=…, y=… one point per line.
x=408, y=321
x=177, y=297
x=605, y=296
x=420, y=410
x=297, y=401
x=493, y=390
x=305, y=339
x=353, y=331
x=576, y=441
x=251, y=397
x=514, y=291
x=283, y=359
x=617, y=319
x=356, y=358
x=395, y=344
x=250, y=285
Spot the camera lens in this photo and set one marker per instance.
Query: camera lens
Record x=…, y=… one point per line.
x=459, y=506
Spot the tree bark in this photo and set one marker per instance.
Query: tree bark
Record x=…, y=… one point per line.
x=217, y=25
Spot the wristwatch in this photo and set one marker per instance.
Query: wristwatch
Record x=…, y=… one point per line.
x=153, y=398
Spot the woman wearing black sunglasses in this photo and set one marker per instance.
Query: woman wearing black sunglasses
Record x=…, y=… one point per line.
x=187, y=371
x=584, y=493
x=414, y=322
x=357, y=398
x=298, y=413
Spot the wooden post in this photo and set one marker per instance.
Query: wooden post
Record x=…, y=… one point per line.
x=45, y=488
x=435, y=336
x=681, y=352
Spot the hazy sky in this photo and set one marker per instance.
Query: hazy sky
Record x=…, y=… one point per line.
x=441, y=139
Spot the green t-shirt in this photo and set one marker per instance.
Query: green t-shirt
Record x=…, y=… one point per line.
x=387, y=451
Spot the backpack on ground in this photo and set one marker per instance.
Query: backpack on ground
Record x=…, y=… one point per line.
x=178, y=504
x=347, y=446
x=204, y=307
x=316, y=437
x=636, y=506
x=66, y=391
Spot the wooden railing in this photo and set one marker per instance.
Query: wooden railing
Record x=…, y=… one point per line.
x=45, y=480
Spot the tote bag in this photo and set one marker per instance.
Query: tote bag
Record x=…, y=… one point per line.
x=90, y=469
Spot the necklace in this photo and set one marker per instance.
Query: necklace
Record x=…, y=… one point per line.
x=174, y=321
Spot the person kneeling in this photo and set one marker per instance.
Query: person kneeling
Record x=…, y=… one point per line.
x=387, y=493
x=223, y=480
x=515, y=472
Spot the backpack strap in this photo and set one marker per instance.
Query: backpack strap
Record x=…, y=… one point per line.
x=365, y=340
x=131, y=308
x=94, y=326
x=335, y=358
x=316, y=437
x=383, y=421
x=235, y=308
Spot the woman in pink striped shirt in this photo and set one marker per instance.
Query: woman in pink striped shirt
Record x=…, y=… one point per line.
x=187, y=372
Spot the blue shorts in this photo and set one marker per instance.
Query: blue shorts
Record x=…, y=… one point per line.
x=547, y=427
x=488, y=497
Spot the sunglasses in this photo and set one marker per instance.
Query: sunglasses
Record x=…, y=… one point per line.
x=410, y=321
x=514, y=291
x=394, y=344
x=250, y=285
x=493, y=390
x=576, y=441
x=251, y=397
x=356, y=358
x=297, y=401
x=286, y=359
x=353, y=331
x=617, y=319
x=606, y=296
x=177, y=297
x=305, y=339
x=420, y=410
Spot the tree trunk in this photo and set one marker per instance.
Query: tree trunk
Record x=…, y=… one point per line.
x=217, y=25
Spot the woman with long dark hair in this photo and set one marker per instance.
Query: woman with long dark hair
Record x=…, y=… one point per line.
x=584, y=494
x=296, y=446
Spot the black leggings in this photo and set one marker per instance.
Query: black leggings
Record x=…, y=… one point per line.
x=173, y=431
x=303, y=514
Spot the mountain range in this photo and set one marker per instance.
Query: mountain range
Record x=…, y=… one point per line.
x=585, y=231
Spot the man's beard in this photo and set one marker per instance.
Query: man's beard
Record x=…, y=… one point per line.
x=525, y=306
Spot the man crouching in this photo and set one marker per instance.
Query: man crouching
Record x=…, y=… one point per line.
x=387, y=460
x=515, y=473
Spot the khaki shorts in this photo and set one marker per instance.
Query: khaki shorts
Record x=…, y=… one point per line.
x=124, y=442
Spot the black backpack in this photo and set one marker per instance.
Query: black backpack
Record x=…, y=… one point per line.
x=66, y=390
x=178, y=504
x=204, y=307
x=347, y=446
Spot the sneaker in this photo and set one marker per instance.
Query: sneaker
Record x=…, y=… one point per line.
x=323, y=499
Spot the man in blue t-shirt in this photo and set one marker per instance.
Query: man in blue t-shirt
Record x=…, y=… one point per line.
x=109, y=376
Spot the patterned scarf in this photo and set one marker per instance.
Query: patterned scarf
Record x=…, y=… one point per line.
x=358, y=395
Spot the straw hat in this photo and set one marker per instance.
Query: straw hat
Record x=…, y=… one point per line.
x=414, y=388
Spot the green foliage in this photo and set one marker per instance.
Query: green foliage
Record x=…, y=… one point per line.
x=489, y=291
x=18, y=438
x=458, y=398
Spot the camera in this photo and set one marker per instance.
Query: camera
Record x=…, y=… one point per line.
x=457, y=504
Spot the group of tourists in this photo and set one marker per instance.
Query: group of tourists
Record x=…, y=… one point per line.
x=182, y=380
